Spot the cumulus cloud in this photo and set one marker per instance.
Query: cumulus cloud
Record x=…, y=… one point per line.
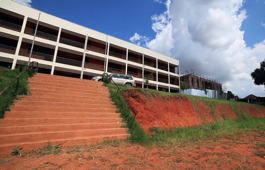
x=24, y=2
x=139, y=40
x=205, y=35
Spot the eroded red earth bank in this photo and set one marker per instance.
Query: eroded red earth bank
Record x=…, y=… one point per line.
x=178, y=111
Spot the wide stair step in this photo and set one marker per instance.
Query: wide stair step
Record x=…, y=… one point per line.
x=61, y=110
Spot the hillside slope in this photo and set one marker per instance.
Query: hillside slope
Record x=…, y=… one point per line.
x=172, y=111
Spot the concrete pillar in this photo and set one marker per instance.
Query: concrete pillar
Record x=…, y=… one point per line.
x=156, y=74
x=19, y=42
x=126, y=66
x=107, y=59
x=143, y=72
x=56, y=51
x=84, y=58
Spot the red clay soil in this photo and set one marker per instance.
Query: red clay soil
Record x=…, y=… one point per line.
x=178, y=111
x=238, y=152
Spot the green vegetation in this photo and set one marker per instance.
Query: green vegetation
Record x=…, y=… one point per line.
x=6, y=77
x=49, y=149
x=222, y=129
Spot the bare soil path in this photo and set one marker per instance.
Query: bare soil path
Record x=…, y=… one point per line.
x=237, y=152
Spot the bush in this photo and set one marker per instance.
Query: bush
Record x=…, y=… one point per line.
x=6, y=77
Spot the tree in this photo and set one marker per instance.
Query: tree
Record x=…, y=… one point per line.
x=183, y=85
x=259, y=74
x=147, y=78
x=230, y=95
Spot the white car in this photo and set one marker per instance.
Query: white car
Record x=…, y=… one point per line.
x=119, y=79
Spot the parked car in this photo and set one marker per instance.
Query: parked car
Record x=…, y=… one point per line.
x=119, y=79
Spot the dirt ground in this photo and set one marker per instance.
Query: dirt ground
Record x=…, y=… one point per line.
x=179, y=111
x=237, y=152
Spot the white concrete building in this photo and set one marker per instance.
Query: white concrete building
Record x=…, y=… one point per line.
x=68, y=49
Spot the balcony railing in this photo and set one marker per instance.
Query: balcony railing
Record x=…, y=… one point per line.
x=115, y=70
x=68, y=61
x=10, y=25
x=71, y=42
x=7, y=47
x=132, y=73
x=42, y=34
x=94, y=66
x=115, y=54
x=96, y=49
x=163, y=80
x=162, y=67
x=35, y=54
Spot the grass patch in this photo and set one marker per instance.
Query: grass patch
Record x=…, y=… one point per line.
x=8, y=97
x=226, y=128
x=47, y=150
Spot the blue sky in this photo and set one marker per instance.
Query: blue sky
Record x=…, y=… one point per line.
x=119, y=18
x=223, y=40
x=122, y=18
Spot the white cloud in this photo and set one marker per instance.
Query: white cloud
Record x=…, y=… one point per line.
x=24, y=2
x=137, y=39
x=263, y=24
x=205, y=35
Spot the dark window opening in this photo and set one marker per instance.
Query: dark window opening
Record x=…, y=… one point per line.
x=133, y=57
x=114, y=67
x=148, y=61
x=132, y=71
x=87, y=60
x=89, y=43
x=8, y=42
x=114, y=52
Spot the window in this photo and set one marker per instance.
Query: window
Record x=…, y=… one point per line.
x=114, y=52
x=133, y=57
x=114, y=67
x=147, y=61
x=192, y=81
x=132, y=71
x=89, y=43
x=198, y=83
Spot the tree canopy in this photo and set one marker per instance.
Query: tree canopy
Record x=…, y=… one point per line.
x=230, y=95
x=259, y=74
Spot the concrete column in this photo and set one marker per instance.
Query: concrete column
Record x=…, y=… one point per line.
x=179, y=77
x=59, y=35
x=143, y=71
x=56, y=51
x=54, y=59
x=84, y=58
x=19, y=42
x=168, y=77
x=107, y=58
x=126, y=66
x=156, y=74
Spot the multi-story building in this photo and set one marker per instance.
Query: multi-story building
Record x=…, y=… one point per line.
x=200, y=83
x=68, y=49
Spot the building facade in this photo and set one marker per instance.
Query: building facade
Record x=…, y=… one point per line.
x=68, y=49
x=200, y=83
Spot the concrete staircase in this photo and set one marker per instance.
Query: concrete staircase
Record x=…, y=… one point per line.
x=60, y=110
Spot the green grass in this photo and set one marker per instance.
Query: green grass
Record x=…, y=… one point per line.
x=225, y=128
x=7, y=98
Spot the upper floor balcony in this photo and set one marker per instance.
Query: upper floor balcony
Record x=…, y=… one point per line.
x=96, y=46
x=11, y=20
x=149, y=61
x=39, y=51
x=69, y=57
x=44, y=30
x=8, y=44
x=117, y=52
x=135, y=57
x=72, y=39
